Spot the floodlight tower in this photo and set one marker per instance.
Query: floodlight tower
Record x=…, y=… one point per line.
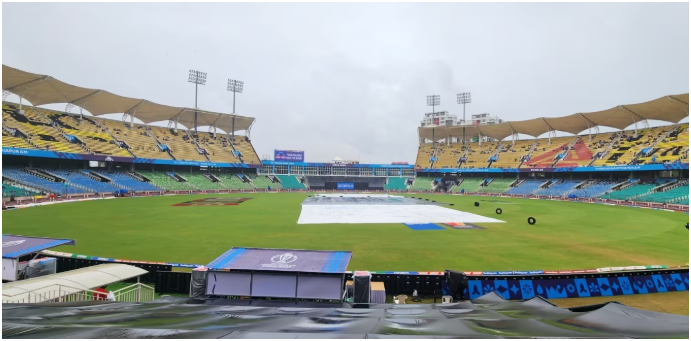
x=432, y=101
x=463, y=98
x=236, y=87
x=196, y=77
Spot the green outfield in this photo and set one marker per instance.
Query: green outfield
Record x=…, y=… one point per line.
x=567, y=235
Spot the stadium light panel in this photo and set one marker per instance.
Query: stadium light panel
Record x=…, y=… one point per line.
x=463, y=98
x=235, y=85
x=433, y=100
x=197, y=77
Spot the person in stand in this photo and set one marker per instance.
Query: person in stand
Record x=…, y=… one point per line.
x=100, y=294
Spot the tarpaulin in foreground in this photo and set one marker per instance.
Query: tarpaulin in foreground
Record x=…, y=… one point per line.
x=489, y=316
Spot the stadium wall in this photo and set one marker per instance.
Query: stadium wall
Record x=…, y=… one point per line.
x=514, y=285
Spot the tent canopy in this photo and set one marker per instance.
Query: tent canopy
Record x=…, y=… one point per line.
x=16, y=246
x=672, y=108
x=42, y=89
x=68, y=282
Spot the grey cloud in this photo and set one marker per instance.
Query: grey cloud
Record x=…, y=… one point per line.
x=350, y=80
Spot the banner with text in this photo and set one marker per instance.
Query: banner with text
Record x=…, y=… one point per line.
x=345, y=185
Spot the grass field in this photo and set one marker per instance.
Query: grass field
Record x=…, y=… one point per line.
x=567, y=235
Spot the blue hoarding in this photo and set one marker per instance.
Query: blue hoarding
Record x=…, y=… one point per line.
x=289, y=155
x=522, y=289
x=345, y=185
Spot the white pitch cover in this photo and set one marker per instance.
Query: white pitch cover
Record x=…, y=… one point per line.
x=381, y=214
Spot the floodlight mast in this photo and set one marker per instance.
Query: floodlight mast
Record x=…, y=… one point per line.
x=235, y=86
x=432, y=101
x=196, y=77
x=463, y=98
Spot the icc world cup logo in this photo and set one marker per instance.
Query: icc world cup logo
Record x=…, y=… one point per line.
x=12, y=243
x=284, y=258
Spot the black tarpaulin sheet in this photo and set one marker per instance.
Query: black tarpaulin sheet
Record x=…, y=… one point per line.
x=487, y=317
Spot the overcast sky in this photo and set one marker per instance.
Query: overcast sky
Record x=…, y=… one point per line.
x=350, y=80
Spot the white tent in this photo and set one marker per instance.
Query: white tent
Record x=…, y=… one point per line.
x=62, y=284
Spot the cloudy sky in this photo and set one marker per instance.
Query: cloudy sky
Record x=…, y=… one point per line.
x=350, y=80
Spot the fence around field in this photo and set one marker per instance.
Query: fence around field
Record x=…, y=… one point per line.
x=136, y=293
x=44, y=200
x=427, y=284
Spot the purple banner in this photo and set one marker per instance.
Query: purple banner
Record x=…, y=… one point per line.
x=16, y=246
x=283, y=260
x=289, y=155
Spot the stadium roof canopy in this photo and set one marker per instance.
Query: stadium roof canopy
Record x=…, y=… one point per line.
x=671, y=108
x=42, y=89
x=17, y=246
x=42, y=288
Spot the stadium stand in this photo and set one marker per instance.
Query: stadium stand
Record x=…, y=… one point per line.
x=527, y=187
x=560, y=188
x=127, y=181
x=95, y=139
x=261, y=181
x=545, y=153
x=14, y=142
x=180, y=144
x=577, y=156
x=421, y=184
x=447, y=157
x=496, y=186
x=670, y=147
x=629, y=193
x=22, y=176
x=10, y=190
x=478, y=155
x=599, y=144
x=140, y=143
x=424, y=155
x=247, y=153
x=77, y=178
x=627, y=147
x=666, y=143
x=395, y=183
x=468, y=185
x=218, y=148
x=234, y=181
x=166, y=181
x=38, y=130
x=669, y=196
x=593, y=190
x=200, y=181
x=290, y=182
x=510, y=154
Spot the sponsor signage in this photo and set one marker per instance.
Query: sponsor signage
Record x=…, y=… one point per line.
x=113, y=260
x=345, y=185
x=282, y=261
x=322, y=164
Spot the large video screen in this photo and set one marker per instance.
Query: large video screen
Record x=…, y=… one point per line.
x=289, y=155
